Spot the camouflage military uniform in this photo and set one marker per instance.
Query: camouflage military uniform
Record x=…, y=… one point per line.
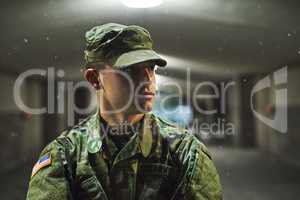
x=161, y=161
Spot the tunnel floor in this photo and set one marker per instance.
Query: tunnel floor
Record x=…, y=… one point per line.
x=246, y=174
x=252, y=175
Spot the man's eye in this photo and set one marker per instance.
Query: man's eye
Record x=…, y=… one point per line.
x=127, y=70
x=153, y=67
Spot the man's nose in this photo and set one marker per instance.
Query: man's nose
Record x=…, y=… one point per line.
x=147, y=73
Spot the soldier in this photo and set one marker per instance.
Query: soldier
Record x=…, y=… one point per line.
x=97, y=159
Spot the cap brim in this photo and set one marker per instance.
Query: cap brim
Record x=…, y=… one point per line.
x=138, y=56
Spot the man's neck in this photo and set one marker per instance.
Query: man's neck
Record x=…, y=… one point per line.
x=121, y=118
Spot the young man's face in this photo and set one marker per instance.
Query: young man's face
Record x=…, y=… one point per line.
x=131, y=90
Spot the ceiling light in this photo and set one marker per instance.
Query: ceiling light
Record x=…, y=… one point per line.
x=141, y=3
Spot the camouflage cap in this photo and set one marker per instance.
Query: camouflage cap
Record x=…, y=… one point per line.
x=120, y=46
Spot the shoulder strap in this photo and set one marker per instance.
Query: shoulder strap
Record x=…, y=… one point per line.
x=67, y=163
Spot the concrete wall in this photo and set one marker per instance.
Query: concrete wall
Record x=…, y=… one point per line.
x=23, y=134
x=20, y=132
x=286, y=145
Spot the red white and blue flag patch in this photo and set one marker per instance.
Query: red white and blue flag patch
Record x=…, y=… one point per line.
x=41, y=163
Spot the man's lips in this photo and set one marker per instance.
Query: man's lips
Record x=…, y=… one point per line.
x=147, y=95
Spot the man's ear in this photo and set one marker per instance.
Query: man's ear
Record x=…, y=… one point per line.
x=91, y=75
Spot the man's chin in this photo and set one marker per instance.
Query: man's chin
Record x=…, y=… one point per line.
x=142, y=109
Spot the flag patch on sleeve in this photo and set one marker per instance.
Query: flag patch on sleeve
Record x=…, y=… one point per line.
x=41, y=163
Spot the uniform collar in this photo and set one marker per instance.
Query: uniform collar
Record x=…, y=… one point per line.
x=140, y=143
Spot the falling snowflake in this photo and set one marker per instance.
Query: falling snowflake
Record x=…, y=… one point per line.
x=60, y=73
x=13, y=134
x=25, y=40
x=258, y=6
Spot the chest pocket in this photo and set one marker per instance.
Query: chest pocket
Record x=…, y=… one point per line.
x=156, y=181
x=92, y=189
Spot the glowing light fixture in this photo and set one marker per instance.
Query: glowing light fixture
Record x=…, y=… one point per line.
x=142, y=3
